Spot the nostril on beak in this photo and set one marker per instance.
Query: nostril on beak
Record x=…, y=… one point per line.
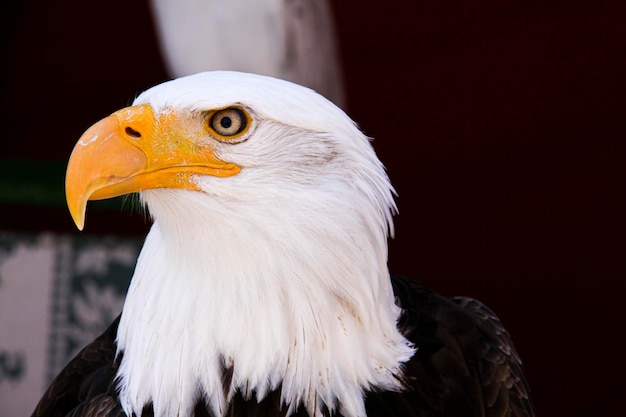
x=132, y=133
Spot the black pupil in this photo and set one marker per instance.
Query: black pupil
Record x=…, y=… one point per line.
x=226, y=122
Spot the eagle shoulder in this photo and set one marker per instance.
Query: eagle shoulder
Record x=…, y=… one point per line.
x=466, y=363
x=85, y=387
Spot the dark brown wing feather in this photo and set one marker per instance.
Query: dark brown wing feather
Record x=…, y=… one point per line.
x=465, y=365
x=85, y=386
x=505, y=388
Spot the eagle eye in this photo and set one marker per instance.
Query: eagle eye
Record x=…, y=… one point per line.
x=228, y=124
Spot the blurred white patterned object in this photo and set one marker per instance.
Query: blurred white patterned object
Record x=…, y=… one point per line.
x=57, y=292
x=290, y=39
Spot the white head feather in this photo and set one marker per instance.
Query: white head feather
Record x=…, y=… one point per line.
x=279, y=272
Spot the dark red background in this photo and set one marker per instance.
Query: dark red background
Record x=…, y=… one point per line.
x=501, y=124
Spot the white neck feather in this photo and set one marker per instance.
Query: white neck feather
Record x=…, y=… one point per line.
x=290, y=289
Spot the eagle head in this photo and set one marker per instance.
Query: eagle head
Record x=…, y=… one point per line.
x=268, y=252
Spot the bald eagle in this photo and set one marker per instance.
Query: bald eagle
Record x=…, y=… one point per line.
x=262, y=288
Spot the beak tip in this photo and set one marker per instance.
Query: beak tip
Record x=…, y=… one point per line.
x=77, y=208
x=79, y=220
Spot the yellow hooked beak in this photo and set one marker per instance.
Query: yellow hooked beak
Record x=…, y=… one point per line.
x=134, y=150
